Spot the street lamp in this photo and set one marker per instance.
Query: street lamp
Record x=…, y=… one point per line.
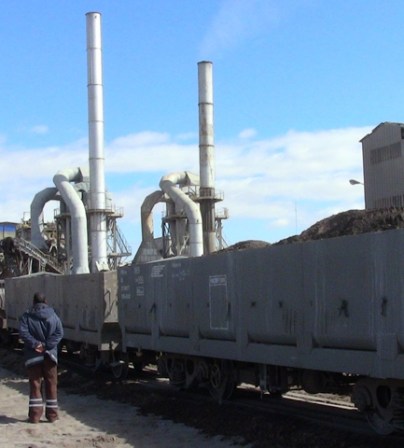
x=355, y=182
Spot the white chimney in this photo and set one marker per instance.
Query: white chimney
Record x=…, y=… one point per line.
x=206, y=155
x=98, y=221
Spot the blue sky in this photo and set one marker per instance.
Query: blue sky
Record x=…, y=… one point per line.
x=297, y=84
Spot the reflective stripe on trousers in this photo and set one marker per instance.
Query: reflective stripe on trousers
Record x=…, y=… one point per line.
x=35, y=402
x=53, y=404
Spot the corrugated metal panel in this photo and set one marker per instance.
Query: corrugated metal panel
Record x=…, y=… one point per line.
x=383, y=166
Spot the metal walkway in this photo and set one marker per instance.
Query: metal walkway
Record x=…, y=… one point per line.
x=44, y=260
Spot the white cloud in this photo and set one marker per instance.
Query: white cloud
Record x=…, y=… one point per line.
x=187, y=136
x=150, y=152
x=237, y=21
x=247, y=133
x=39, y=163
x=299, y=176
x=40, y=129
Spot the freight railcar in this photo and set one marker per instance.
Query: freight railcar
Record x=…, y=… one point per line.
x=86, y=303
x=323, y=315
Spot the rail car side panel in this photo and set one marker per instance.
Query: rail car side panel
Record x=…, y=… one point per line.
x=136, y=301
x=86, y=303
x=19, y=292
x=214, y=299
x=270, y=285
x=340, y=289
x=335, y=304
x=173, y=298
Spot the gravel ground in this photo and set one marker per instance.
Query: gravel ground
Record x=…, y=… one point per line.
x=229, y=423
x=257, y=429
x=88, y=421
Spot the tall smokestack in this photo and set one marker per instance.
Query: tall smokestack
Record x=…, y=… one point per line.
x=206, y=155
x=98, y=225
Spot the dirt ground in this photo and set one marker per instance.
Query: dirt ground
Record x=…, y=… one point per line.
x=101, y=413
x=86, y=421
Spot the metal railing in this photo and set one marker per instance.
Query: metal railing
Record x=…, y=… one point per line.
x=33, y=252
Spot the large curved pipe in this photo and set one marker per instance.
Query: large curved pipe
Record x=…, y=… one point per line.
x=62, y=181
x=148, y=250
x=146, y=214
x=169, y=185
x=37, y=206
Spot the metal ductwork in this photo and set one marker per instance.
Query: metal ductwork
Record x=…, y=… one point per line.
x=206, y=155
x=37, y=206
x=192, y=210
x=148, y=250
x=77, y=210
x=97, y=211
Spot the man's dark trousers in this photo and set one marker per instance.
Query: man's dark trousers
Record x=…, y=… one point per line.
x=46, y=370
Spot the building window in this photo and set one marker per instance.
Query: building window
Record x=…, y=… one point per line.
x=389, y=152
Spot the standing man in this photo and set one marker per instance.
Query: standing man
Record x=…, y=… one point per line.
x=41, y=330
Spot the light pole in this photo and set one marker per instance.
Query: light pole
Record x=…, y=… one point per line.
x=355, y=182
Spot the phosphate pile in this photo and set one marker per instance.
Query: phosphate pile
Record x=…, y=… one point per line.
x=351, y=222
x=249, y=244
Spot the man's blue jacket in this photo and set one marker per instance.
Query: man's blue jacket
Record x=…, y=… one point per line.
x=40, y=325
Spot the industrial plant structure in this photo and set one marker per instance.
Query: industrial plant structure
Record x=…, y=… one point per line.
x=323, y=315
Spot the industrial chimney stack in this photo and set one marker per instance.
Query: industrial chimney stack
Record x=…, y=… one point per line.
x=206, y=155
x=98, y=219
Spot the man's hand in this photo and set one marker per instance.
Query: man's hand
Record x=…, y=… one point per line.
x=40, y=348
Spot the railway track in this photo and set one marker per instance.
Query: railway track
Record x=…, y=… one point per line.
x=256, y=417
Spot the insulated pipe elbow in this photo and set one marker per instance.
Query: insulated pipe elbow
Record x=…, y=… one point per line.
x=62, y=181
x=148, y=249
x=37, y=206
x=146, y=214
x=169, y=185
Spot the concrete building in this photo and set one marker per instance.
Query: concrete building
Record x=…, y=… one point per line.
x=383, y=166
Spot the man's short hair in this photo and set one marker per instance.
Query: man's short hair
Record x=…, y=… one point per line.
x=39, y=297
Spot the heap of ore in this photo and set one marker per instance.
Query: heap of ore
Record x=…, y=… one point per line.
x=351, y=222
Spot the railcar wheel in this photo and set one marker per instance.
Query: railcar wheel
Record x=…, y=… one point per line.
x=176, y=372
x=380, y=416
x=221, y=381
x=379, y=402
